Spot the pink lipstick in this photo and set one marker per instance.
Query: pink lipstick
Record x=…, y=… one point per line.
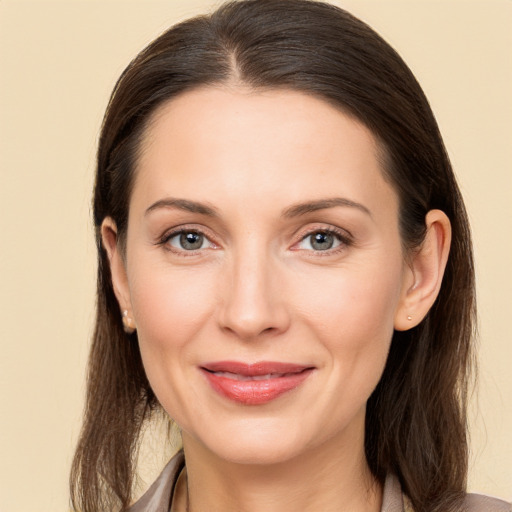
x=254, y=384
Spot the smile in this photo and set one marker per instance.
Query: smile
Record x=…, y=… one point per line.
x=254, y=384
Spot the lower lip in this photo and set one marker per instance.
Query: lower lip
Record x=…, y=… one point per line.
x=256, y=392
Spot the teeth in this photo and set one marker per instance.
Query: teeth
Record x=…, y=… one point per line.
x=264, y=377
x=236, y=376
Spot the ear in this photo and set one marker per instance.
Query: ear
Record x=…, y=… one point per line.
x=110, y=242
x=425, y=272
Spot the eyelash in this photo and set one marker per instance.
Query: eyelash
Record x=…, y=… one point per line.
x=164, y=240
x=343, y=237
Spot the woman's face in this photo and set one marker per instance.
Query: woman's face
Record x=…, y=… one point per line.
x=264, y=271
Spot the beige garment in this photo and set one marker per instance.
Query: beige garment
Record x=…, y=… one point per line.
x=158, y=497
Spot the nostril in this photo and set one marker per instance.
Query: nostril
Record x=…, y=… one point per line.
x=247, y=331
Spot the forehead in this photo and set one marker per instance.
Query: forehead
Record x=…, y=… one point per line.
x=243, y=143
x=229, y=113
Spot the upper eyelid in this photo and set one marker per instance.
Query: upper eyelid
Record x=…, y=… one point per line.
x=340, y=232
x=172, y=232
x=342, y=239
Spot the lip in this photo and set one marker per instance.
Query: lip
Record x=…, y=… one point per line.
x=257, y=383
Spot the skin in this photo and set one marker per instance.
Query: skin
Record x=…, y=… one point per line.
x=258, y=289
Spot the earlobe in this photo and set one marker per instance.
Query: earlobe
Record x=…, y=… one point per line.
x=425, y=272
x=109, y=237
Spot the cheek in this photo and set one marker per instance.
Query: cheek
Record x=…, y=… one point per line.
x=170, y=306
x=352, y=316
x=354, y=304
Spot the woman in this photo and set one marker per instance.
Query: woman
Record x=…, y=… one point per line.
x=285, y=268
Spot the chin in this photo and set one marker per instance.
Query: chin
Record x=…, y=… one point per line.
x=263, y=454
x=263, y=443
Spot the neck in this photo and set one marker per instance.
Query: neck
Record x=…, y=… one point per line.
x=333, y=477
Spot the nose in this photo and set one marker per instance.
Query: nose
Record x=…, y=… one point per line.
x=253, y=299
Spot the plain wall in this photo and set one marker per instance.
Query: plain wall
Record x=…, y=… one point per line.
x=58, y=64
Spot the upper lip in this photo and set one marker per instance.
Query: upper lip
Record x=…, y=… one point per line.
x=254, y=369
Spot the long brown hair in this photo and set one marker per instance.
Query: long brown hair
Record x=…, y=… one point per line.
x=416, y=417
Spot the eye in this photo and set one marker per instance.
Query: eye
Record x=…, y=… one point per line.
x=321, y=241
x=188, y=241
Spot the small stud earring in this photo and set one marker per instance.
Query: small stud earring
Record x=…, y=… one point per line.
x=409, y=317
x=128, y=323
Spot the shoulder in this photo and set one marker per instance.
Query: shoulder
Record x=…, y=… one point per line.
x=482, y=503
x=394, y=500
x=159, y=496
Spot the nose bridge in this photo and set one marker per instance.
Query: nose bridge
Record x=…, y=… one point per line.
x=252, y=302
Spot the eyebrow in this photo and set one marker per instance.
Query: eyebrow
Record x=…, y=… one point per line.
x=322, y=204
x=185, y=205
x=293, y=211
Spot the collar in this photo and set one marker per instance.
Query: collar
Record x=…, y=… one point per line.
x=159, y=496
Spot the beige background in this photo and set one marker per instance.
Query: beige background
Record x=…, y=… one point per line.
x=58, y=63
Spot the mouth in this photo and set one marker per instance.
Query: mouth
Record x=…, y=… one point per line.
x=254, y=384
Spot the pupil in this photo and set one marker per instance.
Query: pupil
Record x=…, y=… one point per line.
x=322, y=241
x=191, y=241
